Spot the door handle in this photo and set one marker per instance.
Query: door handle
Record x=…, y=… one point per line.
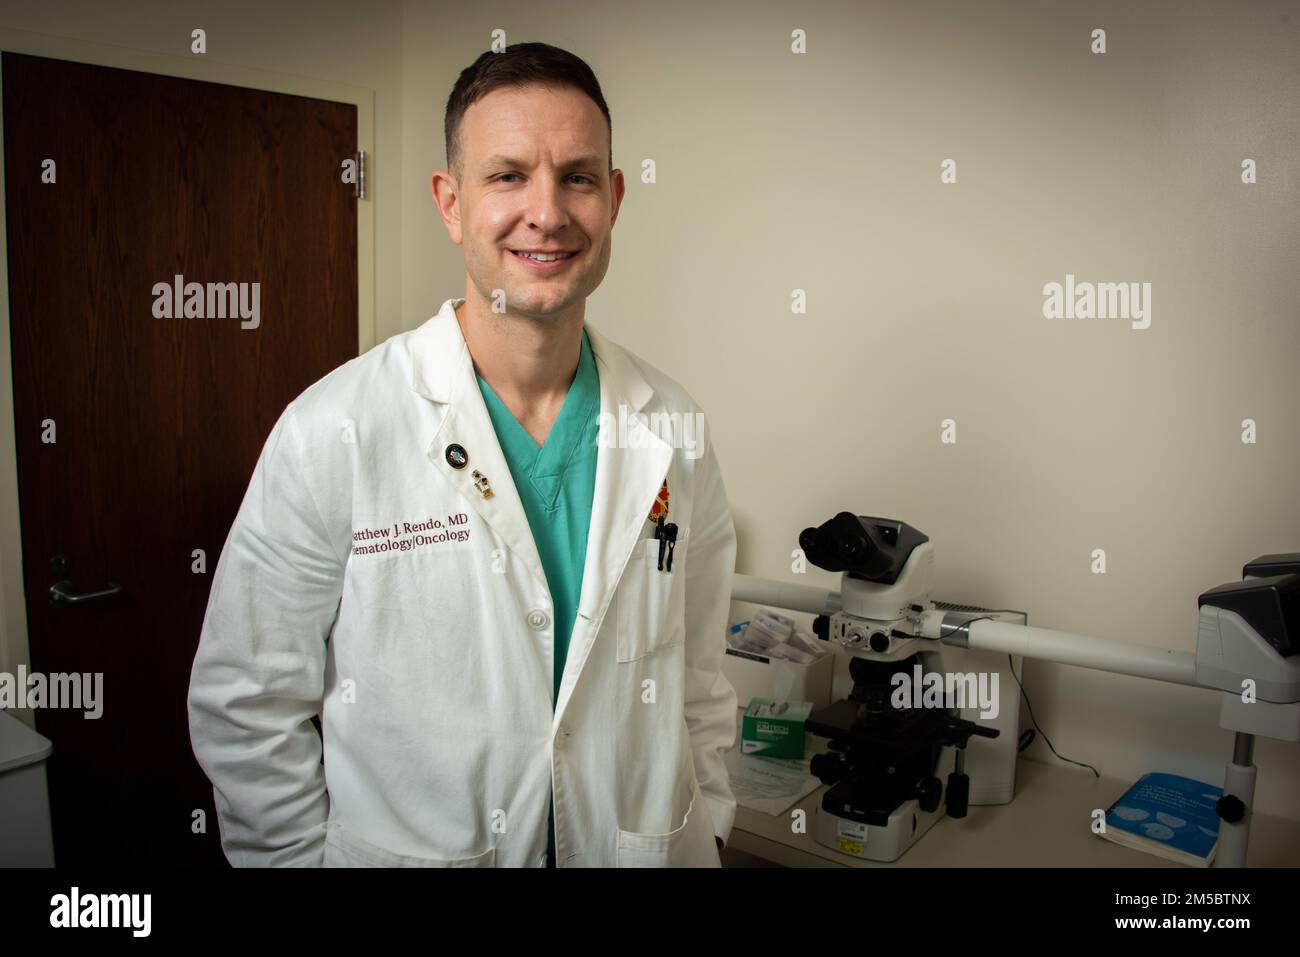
x=64, y=594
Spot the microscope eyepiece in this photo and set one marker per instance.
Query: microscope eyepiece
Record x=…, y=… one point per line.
x=869, y=548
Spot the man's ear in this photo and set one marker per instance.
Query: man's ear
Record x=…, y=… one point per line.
x=617, y=187
x=446, y=196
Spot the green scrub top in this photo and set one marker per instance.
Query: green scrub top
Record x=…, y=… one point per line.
x=556, y=483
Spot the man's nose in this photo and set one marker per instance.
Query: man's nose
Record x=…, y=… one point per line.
x=545, y=208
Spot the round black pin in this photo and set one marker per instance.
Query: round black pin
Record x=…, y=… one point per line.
x=457, y=457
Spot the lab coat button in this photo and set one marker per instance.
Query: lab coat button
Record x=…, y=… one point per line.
x=537, y=619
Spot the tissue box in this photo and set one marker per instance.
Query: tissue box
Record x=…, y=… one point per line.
x=774, y=729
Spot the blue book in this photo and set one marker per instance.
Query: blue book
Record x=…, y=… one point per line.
x=1169, y=816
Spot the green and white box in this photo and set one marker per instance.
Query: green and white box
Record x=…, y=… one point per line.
x=774, y=729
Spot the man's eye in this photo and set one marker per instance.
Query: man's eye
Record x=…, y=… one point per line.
x=501, y=177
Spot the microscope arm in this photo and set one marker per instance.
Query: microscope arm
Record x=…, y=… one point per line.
x=1099, y=654
x=765, y=591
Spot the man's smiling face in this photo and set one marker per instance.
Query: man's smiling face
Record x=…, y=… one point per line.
x=535, y=178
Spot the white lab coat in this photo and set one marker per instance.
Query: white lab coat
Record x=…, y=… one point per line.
x=431, y=667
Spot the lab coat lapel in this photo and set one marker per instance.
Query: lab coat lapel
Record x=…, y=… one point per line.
x=444, y=372
x=631, y=465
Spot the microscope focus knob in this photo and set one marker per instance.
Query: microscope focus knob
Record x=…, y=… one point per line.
x=827, y=768
x=928, y=793
x=1230, y=808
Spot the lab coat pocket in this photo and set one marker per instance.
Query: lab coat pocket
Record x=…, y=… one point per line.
x=691, y=845
x=650, y=601
x=345, y=849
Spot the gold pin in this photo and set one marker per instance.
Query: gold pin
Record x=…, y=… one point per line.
x=660, y=507
x=481, y=483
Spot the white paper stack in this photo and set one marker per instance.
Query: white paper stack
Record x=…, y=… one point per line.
x=773, y=635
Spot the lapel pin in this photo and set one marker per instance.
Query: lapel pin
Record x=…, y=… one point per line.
x=457, y=457
x=659, y=509
x=481, y=483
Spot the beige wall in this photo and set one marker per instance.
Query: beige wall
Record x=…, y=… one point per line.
x=821, y=172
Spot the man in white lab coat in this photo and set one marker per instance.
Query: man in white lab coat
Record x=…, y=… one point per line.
x=494, y=554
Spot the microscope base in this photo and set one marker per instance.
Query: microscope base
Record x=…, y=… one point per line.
x=886, y=843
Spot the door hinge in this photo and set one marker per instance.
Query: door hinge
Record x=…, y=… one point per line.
x=359, y=187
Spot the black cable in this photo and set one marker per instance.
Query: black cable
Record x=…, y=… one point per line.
x=968, y=621
x=1025, y=744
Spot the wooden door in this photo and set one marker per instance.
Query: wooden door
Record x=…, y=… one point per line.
x=137, y=432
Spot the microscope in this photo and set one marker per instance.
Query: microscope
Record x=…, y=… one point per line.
x=894, y=769
x=888, y=767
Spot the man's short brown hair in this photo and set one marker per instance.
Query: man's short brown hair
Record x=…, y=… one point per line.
x=521, y=64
